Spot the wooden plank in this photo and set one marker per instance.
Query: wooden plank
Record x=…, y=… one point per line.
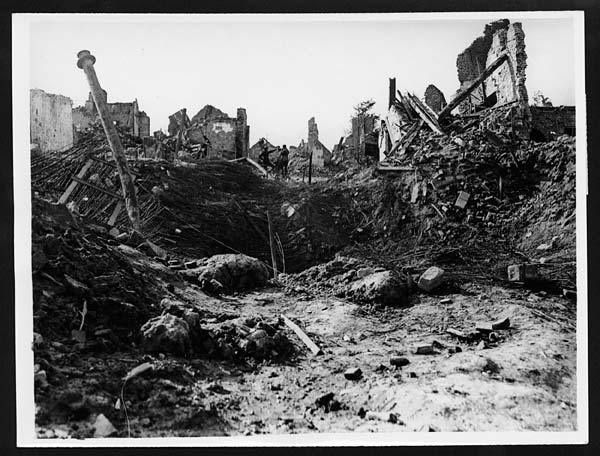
x=410, y=139
x=465, y=93
x=272, y=246
x=112, y=164
x=96, y=187
x=256, y=165
x=406, y=106
x=113, y=218
x=65, y=196
x=314, y=348
x=416, y=104
x=395, y=168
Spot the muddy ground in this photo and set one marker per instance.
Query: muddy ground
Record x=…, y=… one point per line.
x=524, y=381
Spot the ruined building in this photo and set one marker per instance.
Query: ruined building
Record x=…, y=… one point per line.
x=126, y=115
x=51, y=123
x=228, y=137
x=321, y=156
x=505, y=84
x=491, y=73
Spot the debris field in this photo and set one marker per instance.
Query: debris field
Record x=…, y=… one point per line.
x=432, y=289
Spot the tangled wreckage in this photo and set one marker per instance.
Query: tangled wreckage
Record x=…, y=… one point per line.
x=431, y=289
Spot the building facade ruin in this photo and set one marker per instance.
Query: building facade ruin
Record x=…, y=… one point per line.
x=321, y=156
x=50, y=122
x=127, y=116
x=227, y=137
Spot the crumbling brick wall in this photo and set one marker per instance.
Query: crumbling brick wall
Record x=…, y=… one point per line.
x=507, y=83
x=548, y=122
x=473, y=60
x=178, y=120
x=51, y=121
x=434, y=98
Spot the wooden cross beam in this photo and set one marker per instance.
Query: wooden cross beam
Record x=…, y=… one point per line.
x=465, y=93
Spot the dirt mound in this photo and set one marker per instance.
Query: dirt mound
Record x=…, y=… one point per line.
x=229, y=272
x=81, y=269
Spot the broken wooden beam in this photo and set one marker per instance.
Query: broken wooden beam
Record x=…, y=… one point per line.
x=256, y=165
x=395, y=168
x=409, y=138
x=417, y=106
x=81, y=174
x=272, y=246
x=117, y=210
x=314, y=348
x=405, y=105
x=97, y=187
x=465, y=93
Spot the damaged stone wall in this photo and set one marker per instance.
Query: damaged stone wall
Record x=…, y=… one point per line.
x=504, y=85
x=228, y=136
x=178, y=120
x=434, y=98
x=507, y=83
x=51, y=121
x=473, y=60
x=126, y=115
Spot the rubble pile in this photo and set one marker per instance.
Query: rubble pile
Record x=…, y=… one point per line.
x=327, y=279
x=470, y=191
x=85, y=284
x=250, y=337
x=198, y=208
x=357, y=280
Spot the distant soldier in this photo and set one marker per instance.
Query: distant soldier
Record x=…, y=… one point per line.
x=204, y=147
x=283, y=161
x=264, y=155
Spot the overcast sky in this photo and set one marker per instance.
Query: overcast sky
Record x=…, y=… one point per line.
x=283, y=71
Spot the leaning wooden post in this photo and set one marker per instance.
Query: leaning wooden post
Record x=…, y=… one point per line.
x=272, y=246
x=86, y=63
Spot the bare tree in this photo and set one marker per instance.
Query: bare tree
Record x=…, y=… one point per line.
x=539, y=99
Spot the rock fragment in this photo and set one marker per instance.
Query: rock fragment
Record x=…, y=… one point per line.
x=385, y=287
x=166, y=333
x=431, y=279
x=103, y=427
x=354, y=373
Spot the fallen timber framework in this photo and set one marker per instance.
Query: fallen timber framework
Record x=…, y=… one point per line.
x=408, y=110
